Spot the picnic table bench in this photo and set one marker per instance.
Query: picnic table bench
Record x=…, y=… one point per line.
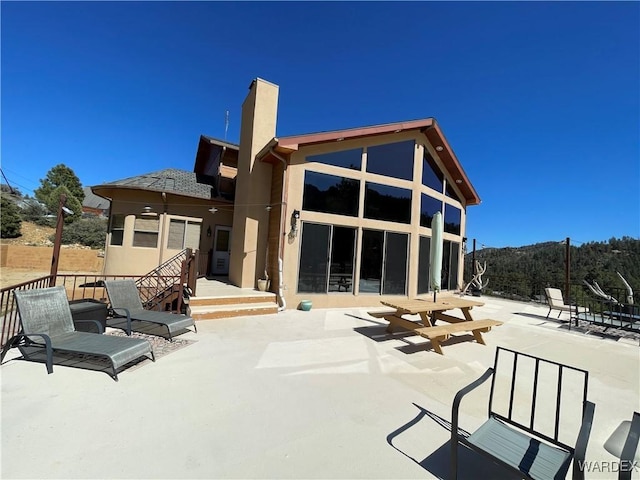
x=430, y=312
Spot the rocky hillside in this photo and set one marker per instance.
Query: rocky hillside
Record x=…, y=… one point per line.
x=32, y=234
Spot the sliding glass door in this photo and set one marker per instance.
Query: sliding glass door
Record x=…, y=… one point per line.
x=326, y=259
x=383, y=262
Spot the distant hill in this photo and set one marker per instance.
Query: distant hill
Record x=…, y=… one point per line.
x=531, y=268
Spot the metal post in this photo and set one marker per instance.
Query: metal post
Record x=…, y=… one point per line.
x=473, y=259
x=55, y=257
x=567, y=270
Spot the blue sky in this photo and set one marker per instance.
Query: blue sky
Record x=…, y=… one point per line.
x=540, y=101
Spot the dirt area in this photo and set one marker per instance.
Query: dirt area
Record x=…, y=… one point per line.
x=32, y=235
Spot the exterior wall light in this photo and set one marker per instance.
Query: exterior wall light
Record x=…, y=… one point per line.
x=295, y=216
x=147, y=211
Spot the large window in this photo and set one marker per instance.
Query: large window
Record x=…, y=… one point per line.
x=382, y=202
x=449, y=271
x=392, y=159
x=330, y=194
x=451, y=193
x=383, y=262
x=424, y=260
x=429, y=206
x=117, y=229
x=183, y=234
x=452, y=219
x=431, y=174
x=145, y=232
x=346, y=158
x=450, y=260
x=326, y=259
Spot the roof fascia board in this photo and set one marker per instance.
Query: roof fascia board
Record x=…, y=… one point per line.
x=294, y=142
x=452, y=164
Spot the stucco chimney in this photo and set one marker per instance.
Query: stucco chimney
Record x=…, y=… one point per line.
x=253, y=184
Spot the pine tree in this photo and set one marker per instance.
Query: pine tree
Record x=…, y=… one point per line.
x=10, y=221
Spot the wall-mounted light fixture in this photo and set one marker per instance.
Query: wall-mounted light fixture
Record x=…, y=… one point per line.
x=208, y=231
x=213, y=209
x=295, y=216
x=439, y=148
x=147, y=211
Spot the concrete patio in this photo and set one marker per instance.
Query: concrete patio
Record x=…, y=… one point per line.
x=319, y=394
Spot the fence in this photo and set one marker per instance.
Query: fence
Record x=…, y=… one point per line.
x=161, y=289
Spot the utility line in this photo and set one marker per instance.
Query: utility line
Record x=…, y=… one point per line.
x=6, y=180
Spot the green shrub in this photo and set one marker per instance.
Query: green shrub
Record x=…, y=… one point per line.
x=35, y=212
x=90, y=232
x=10, y=220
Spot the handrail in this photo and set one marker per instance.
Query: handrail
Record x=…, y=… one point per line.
x=164, y=283
x=162, y=289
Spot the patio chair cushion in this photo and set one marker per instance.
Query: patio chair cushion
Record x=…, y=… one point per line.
x=518, y=449
x=555, y=299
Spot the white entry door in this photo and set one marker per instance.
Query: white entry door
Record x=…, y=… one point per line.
x=221, y=250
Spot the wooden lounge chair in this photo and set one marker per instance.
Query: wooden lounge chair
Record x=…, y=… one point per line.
x=47, y=324
x=129, y=315
x=524, y=432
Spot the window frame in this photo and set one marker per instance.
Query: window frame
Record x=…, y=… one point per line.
x=186, y=222
x=145, y=231
x=113, y=228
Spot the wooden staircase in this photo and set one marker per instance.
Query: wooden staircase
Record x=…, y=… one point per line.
x=226, y=305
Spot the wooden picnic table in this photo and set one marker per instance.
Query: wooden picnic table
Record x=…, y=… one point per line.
x=430, y=312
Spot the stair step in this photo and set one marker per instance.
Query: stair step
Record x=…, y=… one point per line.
x=232, y=299
x=211, y=312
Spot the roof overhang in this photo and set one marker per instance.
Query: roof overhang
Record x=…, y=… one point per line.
x=285, y=146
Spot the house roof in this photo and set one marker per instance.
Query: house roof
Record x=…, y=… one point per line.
x=221, y=143
x=428, y=126
x=94, y=201
x=170, y=180
x=213, y=152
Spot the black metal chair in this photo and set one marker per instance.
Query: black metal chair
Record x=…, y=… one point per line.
x=520, y=437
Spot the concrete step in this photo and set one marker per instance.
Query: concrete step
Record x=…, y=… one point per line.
x=258, y=297
x=212, y=312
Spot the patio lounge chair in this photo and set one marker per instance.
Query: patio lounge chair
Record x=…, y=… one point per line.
x=513, y=435
x=556, y=302
x=129, y=314
x=47, y=324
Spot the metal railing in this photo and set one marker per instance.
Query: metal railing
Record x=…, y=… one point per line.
x=163, y=284
x=589, y=308
x=160, y=289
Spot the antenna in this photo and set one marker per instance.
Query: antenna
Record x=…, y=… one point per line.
x=226, y=124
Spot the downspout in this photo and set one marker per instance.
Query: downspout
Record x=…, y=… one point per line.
x=282, y=304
